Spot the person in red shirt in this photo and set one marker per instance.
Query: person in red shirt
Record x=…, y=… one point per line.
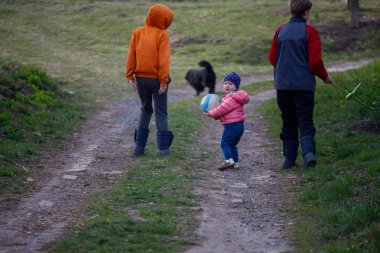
x=297, y=58
x=147, y=71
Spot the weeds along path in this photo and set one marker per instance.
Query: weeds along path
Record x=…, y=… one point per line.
x=242, y=202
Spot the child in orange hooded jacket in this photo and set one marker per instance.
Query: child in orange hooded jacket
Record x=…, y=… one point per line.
x=147, y=71
x=231, y=115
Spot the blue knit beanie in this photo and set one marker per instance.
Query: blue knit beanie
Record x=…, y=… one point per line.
x=233, y=78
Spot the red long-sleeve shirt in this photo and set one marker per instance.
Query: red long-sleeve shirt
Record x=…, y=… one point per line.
x=296, y=55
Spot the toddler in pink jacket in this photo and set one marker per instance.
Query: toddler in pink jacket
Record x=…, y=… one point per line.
x=231, y=114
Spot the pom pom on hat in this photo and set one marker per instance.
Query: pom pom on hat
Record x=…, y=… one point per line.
x=233, y=78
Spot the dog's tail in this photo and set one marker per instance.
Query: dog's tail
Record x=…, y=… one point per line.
x=206, y=65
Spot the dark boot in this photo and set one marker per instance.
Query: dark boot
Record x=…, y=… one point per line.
x=141, y=137
x=308, y=151
x=164, y=140
x=290, y=149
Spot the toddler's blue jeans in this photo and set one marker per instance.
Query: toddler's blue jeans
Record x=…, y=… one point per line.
x=231, y=137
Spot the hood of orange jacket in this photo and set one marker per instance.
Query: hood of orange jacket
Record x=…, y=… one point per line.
x=149, y=48
x=159, y=16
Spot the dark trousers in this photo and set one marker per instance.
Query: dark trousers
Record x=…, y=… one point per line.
x=230, y=139
x=148, y=93
x=297, y=113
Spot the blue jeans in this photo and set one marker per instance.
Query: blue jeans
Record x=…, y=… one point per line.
x=231, y=137
x=148, y=93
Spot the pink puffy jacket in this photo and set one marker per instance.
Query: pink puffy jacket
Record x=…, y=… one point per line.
x=231, y=108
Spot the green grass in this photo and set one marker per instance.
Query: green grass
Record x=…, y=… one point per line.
x=35, y=114
x=337, y=207
x=146, y=211
x=85, y=42
x=150, y=209
x=257, y=87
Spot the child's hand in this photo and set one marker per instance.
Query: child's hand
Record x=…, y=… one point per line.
x=328, y=80
x=133, y=84
x=162, y=90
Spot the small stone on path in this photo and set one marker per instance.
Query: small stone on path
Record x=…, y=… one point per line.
x=77, y=168
x=45, y=203
x=71, y=177
x=237, y=201
x=239, y=185
x=114, y=172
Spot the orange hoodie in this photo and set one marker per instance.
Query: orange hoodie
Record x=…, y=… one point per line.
x=149, y=48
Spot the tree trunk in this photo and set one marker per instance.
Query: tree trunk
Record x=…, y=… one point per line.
x=355, y=12
x=347, y=2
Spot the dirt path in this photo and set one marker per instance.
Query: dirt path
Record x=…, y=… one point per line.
x=90, y=160
x=241, y=207
x=62, y=180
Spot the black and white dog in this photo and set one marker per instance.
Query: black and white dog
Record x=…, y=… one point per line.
x=199, y=79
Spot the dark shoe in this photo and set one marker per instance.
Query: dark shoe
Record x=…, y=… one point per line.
x=227, y=164
x=141, y=137
x=290, y=150
x=164, y=141
x=309, y=160
x=138, y=150
x=308, y=151
x=287, y=164
x=307, y=145
x=164, y=152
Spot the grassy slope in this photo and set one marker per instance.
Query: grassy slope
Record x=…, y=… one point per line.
x=34, y=115
x=337, y=204
x=85, y=42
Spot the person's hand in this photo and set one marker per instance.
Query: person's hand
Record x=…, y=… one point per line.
x=133, y=84
x=162, y=90
x=206, y=114
x=328, y=80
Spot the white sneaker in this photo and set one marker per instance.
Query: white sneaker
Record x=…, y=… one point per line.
x=227, y=164
x=236, y=166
